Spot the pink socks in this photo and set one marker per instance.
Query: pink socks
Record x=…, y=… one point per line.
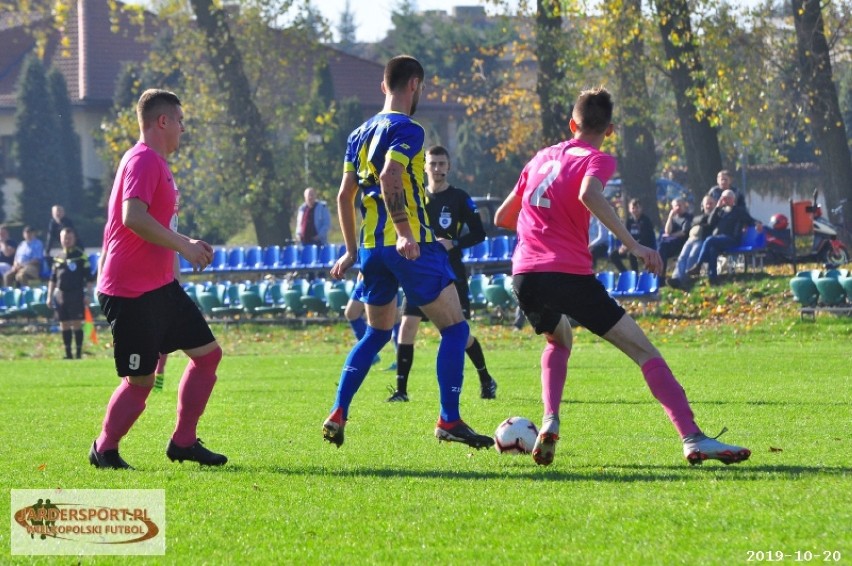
x=554, y=370
x=125, y=406
x=670, y=394
x=194, y=391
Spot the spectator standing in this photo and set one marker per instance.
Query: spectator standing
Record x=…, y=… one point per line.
x=58, y=221
x=313, y=220
x=28, y=259
x=66, y=289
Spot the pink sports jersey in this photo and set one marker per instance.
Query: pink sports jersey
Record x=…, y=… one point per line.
x=553, y=226
x=133, y=266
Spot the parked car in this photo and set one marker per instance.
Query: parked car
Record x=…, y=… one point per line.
x=487, y=207
x=667, y=190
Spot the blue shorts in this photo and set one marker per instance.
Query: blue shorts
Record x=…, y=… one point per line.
x=358, y=291
x=422, y=280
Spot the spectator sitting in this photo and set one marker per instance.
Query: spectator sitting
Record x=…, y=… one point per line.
x=727, y=222
x=58, y=221
x=641, y=229
x=313, y=220
x=6, y=237
x=697, y=232
x=675, y=233
x=28, y=259
x=723, y=183
x=7, y=256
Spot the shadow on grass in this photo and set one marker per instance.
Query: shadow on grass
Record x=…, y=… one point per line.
x=607, y=474
x=756, y=402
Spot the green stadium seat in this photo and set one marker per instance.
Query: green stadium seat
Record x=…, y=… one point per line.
x=805, y=290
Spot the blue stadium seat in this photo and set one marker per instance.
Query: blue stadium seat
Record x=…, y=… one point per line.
x=308, y=256
x=327, y=255
x=625, y=284
x=607, y=279
x=646, y=285
x=499, y=249
x=479, y=252
x=289, y=257
x=271, y=257
x=220, y=260
x=237, y=258
x=254, y=258
x=94, y=258
x=185, y=266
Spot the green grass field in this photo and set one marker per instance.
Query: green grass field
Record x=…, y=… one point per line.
x=619, y=492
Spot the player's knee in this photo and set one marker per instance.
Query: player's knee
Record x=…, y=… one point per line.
x=210, y=360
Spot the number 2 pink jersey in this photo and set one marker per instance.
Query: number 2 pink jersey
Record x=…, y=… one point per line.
x=553, y=226
x=134, y=266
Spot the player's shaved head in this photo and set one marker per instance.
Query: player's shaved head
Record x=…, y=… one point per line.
x=593, y=110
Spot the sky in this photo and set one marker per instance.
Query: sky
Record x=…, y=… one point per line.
x=373, y=17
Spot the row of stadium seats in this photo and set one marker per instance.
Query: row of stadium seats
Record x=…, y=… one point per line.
x=294, y=257
x=815, y=288
x=24, y=303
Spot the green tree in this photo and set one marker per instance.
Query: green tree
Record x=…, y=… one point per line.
x=637, y=151
x=253, y=153
x=36, y=138
x=346, y=28
x=686, y=71
x=550, y=46
x=70, y=186
x=823, y=106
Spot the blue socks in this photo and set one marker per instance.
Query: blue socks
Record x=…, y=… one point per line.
x=450, y=368
x=359, y=327
x=357, y=365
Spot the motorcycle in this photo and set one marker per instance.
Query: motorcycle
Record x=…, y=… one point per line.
x=826, y=248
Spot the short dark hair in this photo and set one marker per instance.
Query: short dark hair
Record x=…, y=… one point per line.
x=438, y=150
x=153, y=103
x=593, y=110
x=400, y=70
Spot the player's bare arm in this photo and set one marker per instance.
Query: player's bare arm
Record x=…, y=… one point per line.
x=394, y=197
x=507, y=215
x=591, y=195
x=346, y=217
x=135, y=216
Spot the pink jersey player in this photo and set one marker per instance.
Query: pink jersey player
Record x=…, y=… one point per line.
x=553, y=278
x=132, y=265
x=549, y=188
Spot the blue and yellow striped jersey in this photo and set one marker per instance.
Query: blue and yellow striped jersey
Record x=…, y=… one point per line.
x=395, y=136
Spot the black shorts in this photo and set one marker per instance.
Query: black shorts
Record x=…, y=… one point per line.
x=71, y=308
x=464, y=298
x=159, y=321
x=545, y=297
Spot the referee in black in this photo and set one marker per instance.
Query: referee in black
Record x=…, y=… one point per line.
x=67, y=287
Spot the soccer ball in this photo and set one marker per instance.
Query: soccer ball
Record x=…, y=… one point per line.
x=515, y=435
